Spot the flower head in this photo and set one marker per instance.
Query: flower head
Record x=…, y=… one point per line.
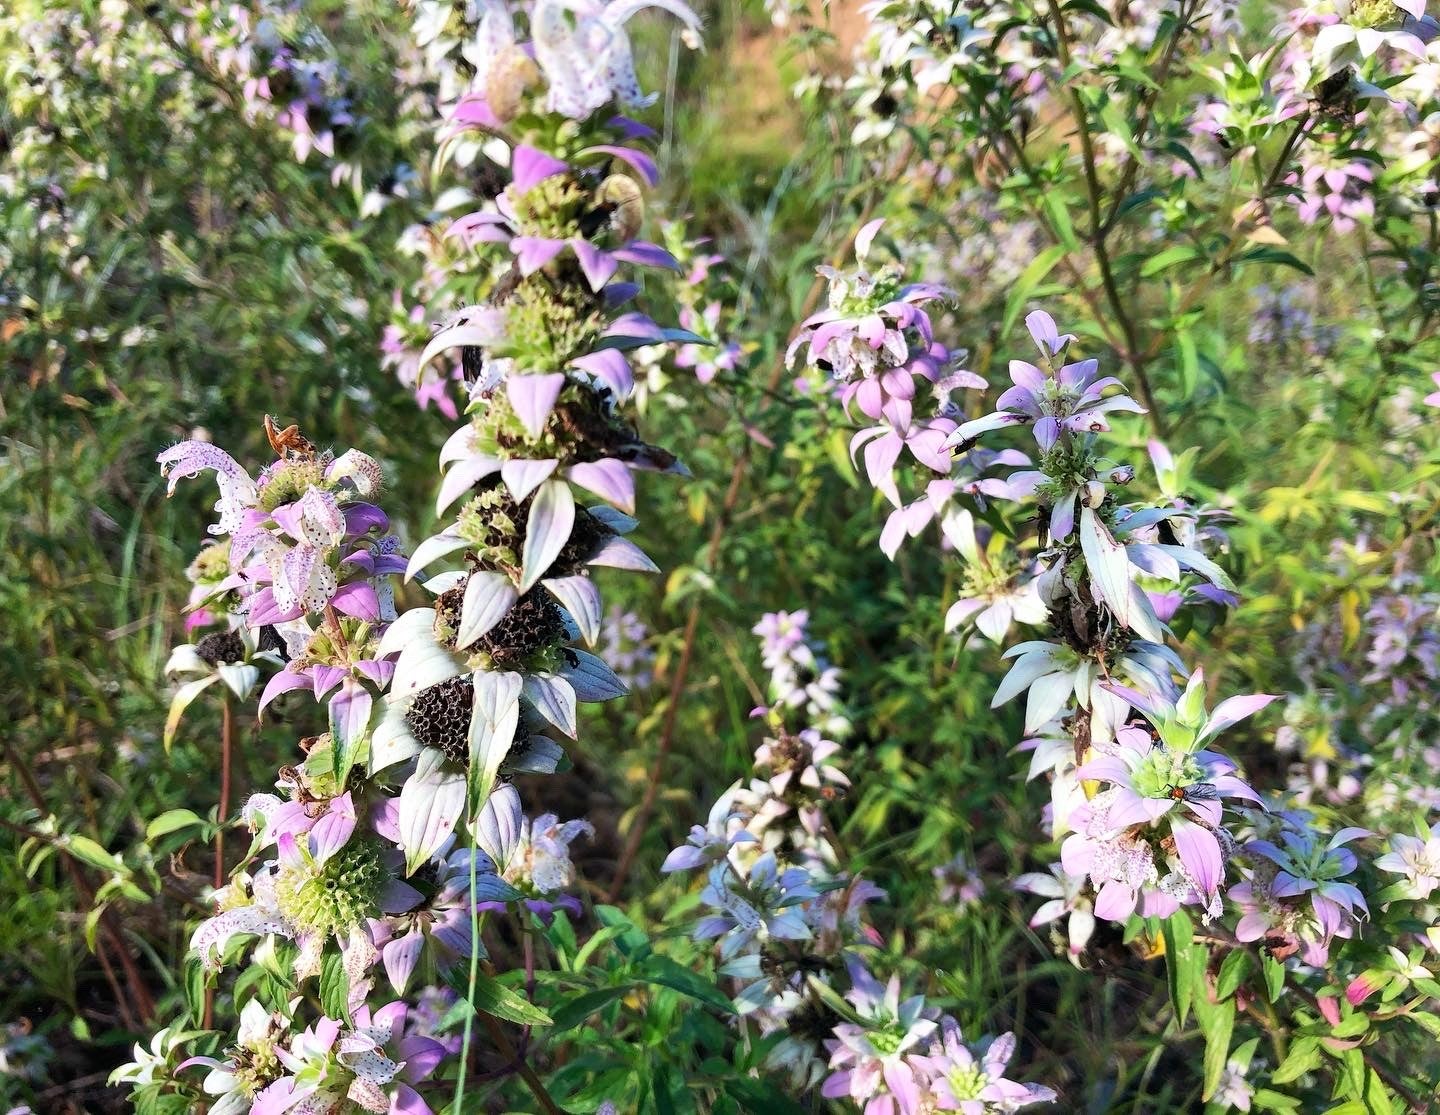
x=874, y=1059
x=1053, y=398
x=1415, y=857
x=972, y=1079
x=1296, y=889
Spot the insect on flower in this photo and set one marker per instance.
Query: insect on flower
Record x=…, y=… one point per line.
x=287, y=441
x=1200, y=791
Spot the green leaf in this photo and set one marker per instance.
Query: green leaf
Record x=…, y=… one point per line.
x=334, y=987
x=1266, y=1100
x=631, y=940
x=195, y=989
x=660, y=1083
x=597, y=940
x=1267, y=254
x=1183, y=153
x=88, y=851
x=1025, y=285
x=1092, y=8
x=1119, y=127
x=667, y=973
x=1351, y=1027
x=607, y=1085
x=1378, y=1097
x=493, y=997
x=1274, y=972
x=1217, y=1046
x=562, y=938
x=1304, y=1056
x=1179, y=253
x=1136, y=201
x=149, y=1101
x=1188, y=362
x=1054, y=205
x=172, y=820
x=1178, y=934
x=578, y=1009
x=92, y=926
x=1234, y=970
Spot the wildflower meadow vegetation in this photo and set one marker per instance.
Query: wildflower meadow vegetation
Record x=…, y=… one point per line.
x=623, y=556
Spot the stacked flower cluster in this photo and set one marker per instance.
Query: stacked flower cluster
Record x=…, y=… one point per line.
x=802, y=678
x=875, y=342
x=1138, y=796
x=302, y=579
x=790, y=920
x=785, y=916
x=581, y=201
x=398, y=831
x=1157, y=828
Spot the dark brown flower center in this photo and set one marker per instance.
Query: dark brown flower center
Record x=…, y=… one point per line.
x=221, y=646
x=439, y=717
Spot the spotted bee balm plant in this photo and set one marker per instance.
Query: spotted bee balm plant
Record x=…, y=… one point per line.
x=1157, y=831
x=1095, y=772
x=396, y=832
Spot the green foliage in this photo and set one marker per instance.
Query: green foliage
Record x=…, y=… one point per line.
x=191, y=275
